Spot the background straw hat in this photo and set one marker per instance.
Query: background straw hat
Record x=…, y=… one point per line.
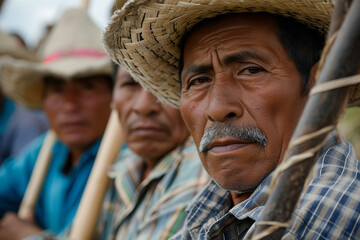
x=73, y=49
x=144, y=36
x=9, y=46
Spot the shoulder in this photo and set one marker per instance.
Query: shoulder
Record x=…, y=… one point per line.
x=186, y=167
x=22, y=165
x=330, y=205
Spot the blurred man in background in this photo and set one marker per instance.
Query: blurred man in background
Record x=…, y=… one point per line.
x=73, y=85
x=157, y=176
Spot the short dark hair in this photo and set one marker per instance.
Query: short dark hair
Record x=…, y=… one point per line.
x=303, y=45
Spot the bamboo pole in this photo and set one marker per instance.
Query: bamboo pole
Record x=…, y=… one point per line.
x=85, y=4
x=37, y=177
x=91, y=202
x=322, y=111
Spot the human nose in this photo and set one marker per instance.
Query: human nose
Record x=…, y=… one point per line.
x=224, y=99
x=146, y=103
x=71, y=96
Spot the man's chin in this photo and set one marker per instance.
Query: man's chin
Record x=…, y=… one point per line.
x=239, y=187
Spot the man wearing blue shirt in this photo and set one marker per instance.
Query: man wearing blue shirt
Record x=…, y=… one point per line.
x=240, y=71
x=73, y=85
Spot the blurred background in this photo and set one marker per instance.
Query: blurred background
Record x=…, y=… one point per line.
x=31, y=19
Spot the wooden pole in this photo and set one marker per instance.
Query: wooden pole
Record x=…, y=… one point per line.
x=321, y=112
x=91, y=202
x=37, y=177
x=85, y=4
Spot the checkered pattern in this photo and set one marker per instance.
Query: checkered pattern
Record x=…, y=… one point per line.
x=329, y=208
x=155, y=207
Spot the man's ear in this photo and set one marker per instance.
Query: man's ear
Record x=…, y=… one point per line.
x=313, y=74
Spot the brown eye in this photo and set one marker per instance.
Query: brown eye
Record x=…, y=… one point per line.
x=254, y=70
x=197, y=81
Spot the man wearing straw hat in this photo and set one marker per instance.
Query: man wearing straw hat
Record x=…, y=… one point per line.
x=156, y=177
x=73, y=85
x=18, y=126
x=241, y=71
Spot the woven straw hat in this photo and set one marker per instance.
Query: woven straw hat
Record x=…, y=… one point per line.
x=73, y=49
x=9, y=46
x=144, y=35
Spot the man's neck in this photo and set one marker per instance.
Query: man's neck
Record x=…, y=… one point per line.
x=73, y=158
x=238, y=197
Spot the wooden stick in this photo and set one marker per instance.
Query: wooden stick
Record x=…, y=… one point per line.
x=321, y=111
x=37, y=177
x=85, y=4
x=91, y=202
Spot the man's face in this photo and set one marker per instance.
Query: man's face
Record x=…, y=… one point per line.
x=240, y=88
x=151, y=128
x=78, y=110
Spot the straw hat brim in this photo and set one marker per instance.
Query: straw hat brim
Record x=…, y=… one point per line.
x=144, y=36
x=25, y=80
x=23, y=54
x=10, y=47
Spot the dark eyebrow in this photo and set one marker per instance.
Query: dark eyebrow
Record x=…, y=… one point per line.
x=243, y=56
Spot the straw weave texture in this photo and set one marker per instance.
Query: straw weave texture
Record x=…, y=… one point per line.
x=144, y=35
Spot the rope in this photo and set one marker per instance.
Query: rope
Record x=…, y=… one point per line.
x=339, y=83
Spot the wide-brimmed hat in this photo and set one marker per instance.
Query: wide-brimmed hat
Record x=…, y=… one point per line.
x=73, y=49
x=10, y=46
x=144, y=36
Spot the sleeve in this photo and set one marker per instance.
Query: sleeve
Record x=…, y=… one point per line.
x=329, y=208
x=14, y=177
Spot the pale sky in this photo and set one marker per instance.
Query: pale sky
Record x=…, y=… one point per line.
x=30, y=17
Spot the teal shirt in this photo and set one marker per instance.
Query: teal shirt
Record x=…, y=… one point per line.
x=5, y=114
x=61, y=193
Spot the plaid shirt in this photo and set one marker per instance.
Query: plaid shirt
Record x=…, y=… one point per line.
x=155, y=207
x=329, y=207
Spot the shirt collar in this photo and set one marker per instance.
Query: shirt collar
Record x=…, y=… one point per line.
x=88, y=155
x=215, y=203
x=128, y=169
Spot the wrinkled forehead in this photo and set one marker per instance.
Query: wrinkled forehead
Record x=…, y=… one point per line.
x=214, y=26
x=227, y=32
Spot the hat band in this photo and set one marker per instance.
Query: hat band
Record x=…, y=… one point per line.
x=73, y=53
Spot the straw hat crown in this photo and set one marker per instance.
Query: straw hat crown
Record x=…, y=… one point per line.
x=144, y=36
x=72, y=49
x=75, y=30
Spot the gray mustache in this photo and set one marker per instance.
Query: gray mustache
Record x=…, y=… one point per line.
x=219, y=130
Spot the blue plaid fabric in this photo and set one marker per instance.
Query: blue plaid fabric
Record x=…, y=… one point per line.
x=329, y=207
x=153, y=208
